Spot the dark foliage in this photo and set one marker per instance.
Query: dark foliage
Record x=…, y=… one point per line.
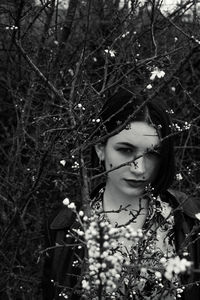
x=57, y=67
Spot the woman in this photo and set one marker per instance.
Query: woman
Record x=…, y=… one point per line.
x=136, y=149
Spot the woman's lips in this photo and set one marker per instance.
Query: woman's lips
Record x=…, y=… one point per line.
x=135, y=183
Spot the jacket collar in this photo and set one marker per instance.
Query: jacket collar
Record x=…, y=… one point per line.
x=189, y=205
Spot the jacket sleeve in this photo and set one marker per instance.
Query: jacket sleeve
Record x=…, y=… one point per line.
x=48, y=289
x=187, y=237
x=193, y=290
x=59, y=274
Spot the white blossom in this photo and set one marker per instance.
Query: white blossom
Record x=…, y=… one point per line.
x=179, y=177
x=149, y=86
x=71, y=72
x=198, y=216
x=81, y=213
x=85, y=218
x=66, y=201
x=158, y=275
x=173, y=89
x=157, y=73
x=63, y=162
x=72, y=205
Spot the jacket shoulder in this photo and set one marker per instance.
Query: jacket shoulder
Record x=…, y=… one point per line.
x=189, y=205
x=63, y=219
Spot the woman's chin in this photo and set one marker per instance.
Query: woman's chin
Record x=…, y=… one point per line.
x=135, y=192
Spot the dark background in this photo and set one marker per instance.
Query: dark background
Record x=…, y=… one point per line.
x=52, y=59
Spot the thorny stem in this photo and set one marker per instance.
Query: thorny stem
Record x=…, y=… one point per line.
x=35, y=19
x=57, y=93
x=133, y=218
x=49, y=16
x=59, y=246
x=105, y=72
x=72, y=91
x=152, y=28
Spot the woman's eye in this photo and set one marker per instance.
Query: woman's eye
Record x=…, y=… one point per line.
x=125, y=150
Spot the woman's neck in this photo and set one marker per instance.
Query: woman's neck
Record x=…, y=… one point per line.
x=113, y=200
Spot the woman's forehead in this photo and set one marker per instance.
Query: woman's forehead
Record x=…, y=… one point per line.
x=138, y=133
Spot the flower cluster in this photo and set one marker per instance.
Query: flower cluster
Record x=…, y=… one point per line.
x=111, y=52
x=112, y=269
x=125, y=34
x=109, y=261
x=13, y=27
x=69, y=204
x=124, y=261
x=80, y=106
x=179, y=177
x=96, y=120
x=179, y=128
x=75, y=165
x=175, y=265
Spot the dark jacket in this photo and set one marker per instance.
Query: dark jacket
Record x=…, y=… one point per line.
x=58, y=267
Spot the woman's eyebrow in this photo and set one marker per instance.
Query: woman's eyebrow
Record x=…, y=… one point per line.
x=126, y=144
x=155, y=147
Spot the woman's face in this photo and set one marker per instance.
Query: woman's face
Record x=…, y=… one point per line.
x=139, y=144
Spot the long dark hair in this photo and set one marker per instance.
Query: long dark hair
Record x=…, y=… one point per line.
x=124, y=107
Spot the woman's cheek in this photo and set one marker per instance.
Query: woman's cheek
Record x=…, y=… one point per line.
x=109, y=164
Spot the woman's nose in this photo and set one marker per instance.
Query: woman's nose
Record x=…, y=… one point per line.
x=138, y=165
